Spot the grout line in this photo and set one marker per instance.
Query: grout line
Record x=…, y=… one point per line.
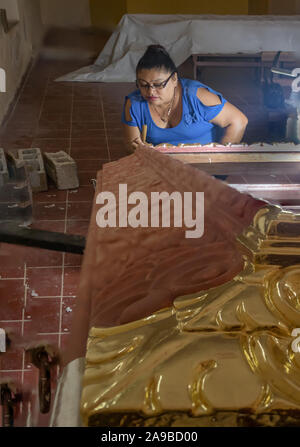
x=11, y=279
x=48, y=297
x=41, y=109
x=54, y=139
x=25, y=298
x=22, y=329
x=71, y=201
x=63, y=263
x=104, y=123
x=53, y=333
x=53, y=267
x=71, y=121
x=61, y=301
x=73, y=220
x=13, y=321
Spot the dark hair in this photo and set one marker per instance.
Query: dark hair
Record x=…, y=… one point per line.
x=156, y=56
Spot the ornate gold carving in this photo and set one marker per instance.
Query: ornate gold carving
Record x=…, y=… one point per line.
x=222, y=356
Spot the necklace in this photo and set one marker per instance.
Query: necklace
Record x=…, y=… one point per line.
x=166, y=119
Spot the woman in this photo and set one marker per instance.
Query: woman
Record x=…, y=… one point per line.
x=176, y=110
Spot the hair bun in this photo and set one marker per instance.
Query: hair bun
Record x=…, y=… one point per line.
x=157, y=49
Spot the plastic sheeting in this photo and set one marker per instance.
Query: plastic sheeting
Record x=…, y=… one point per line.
x=184, y=35
x=66, y=406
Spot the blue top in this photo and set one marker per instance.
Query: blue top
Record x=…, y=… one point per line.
x=194, y=126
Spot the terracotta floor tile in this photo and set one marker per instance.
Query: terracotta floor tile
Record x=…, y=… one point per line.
x=85, y=177
x=71, y=279
x=12, y=359
x=88, y=107
x=87, y=116
x=56, y=116
x=73, y=259
x=67, y=313
x=89, y=153
x=86, y=91
x=20, y=128
x=90, y=143
x=44, y=281
x=11, y=261
x=61, y=108
x=30, y=331
x=13, y=271
x=80, y=210
x=114, y=128
x=51, y=145
x=16, y=143
x=52, y=133
x=91, y=164
x=93, y=130
x=82, y=194
x=47, y=124
x=14, y=331
x=14, y=376
x=39, y=257
x=49, y=211
x=52, y=195
x=11, y=299
x=56, y=90
x=49, y=225
x=65, y=340
x=78, y=227
x=44, y=315
x=90, y=102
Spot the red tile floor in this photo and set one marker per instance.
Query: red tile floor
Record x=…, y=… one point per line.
x=38, y=287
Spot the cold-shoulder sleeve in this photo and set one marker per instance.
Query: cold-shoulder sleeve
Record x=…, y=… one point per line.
x=134, y=112
x=206, y=112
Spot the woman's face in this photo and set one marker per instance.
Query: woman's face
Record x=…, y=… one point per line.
x=154, y=76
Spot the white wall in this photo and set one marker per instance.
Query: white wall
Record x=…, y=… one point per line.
x=11, y=7
x=17, y=47
x=66, y=13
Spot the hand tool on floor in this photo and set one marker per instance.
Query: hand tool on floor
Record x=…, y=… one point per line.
x=9, y=398
x=16, y=212
x=44, y=358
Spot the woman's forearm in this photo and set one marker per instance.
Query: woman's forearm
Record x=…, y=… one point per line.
x=234, y=133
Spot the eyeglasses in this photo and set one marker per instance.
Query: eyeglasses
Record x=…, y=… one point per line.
x=157, y=86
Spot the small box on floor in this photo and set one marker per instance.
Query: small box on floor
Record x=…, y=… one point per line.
x=33, y=160
x=15, y=190
x=62, y=169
